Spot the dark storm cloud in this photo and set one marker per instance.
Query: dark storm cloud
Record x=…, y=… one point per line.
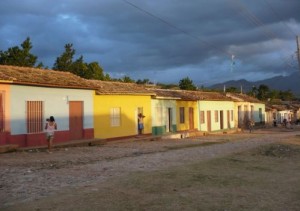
x=161, y=40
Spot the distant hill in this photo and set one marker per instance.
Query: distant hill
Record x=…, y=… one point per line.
x=282, y=83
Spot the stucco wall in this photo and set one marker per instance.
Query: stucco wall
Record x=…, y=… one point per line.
x=256, y=114
x=216, y=106
x=164, y=104
x=5, y=91
x=186, y=104
x=128, y=105
x=160, y=116
x=55, y=104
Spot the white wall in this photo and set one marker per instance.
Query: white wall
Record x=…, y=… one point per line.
x=164, y=105
x=55, y=104
x=216, y=106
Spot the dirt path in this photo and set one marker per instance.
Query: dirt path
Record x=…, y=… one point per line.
x=27, y=176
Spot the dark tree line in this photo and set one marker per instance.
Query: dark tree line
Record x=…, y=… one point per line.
x=264, y=93
x=22, y=56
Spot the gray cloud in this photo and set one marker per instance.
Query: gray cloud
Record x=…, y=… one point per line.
x=178, y=39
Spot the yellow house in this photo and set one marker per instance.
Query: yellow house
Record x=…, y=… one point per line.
x=116, y=109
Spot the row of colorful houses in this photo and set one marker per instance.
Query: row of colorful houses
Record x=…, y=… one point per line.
x=283, y=110
x=86, y=109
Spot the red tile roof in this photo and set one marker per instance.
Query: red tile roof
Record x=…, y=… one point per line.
x=41, y=77
x=243, y=98
x=190, y=95
x=121, y=88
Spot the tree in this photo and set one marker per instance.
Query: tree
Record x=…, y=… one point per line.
x=286, y=95
x=127, y=79
x=262, y=92
x=65, y=61
x=231, y=89
x=95, y=71
x=144, y=81
x=80, y=68
x=187, y=84
x=19, y=56
x=253, y=91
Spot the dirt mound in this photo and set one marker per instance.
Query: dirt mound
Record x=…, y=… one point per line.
x=280, y=150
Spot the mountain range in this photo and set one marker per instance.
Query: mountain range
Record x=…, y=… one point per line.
x=280, y=83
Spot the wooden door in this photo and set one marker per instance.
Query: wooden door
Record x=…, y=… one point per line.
x=169, y=119
x=228, y=119
x=76, y=120
x=221, y=120
x=191, y=118
x=208, y=121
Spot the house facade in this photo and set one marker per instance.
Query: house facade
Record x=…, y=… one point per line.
x=30, y=95
x=116, y=109
x=163, y=116
x=247, y=108
x=216, y=115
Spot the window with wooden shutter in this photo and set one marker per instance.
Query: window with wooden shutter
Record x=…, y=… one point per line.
x=35, y=118
x=115, y=117
x=202, y=117
x=181, y=112
x=216, y=116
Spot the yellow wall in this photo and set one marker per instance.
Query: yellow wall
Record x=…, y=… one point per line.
x=186, y=105
x=128, y=105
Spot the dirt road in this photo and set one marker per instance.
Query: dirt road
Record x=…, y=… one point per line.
x=33, y=175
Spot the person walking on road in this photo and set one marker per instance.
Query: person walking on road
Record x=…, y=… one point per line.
x=50, y=127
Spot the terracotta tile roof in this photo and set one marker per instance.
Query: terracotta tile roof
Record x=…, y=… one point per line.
x=41, y=77
x=190, y=95
x=112, y=87
x=282, y=106
x=243, y=98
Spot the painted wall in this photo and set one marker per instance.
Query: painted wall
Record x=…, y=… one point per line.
x=5, y=91
x=160, y=116
x=242, y=111
x=259, y=117
x=128, y=105
x=55, y=104
x=186, y=104
x=216, y=106
x=249, y=111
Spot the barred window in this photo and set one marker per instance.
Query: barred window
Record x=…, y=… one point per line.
x=181, y=112
x=115, y=117
x=35, y=117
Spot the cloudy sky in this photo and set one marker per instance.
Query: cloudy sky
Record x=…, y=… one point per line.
x=209, y=41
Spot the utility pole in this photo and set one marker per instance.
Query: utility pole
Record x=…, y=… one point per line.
x=298, y=50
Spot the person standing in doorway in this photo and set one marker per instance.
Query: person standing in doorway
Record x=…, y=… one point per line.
x=50, y=127
x=140, y=123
